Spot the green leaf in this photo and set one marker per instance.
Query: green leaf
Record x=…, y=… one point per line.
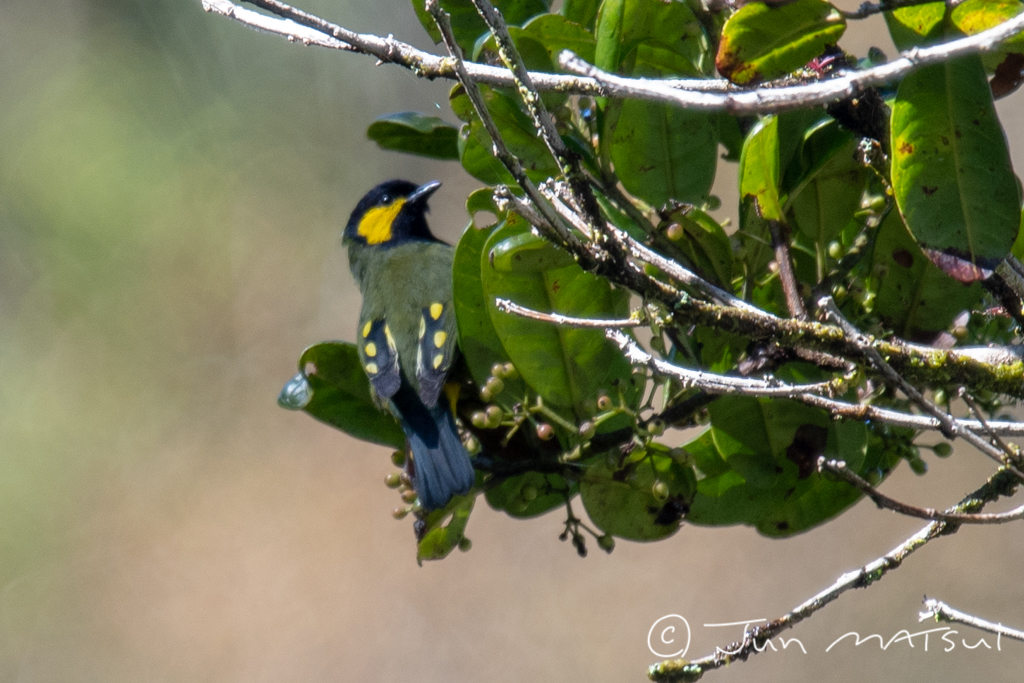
x=415, y=133
x=662, y=152
x=439, y=541
x=624, y=504
x=759, y=460
x=705, y=243
x=341, y=394
x=528, y=253
x=582, y=12
x=914, y=298
x=466, y=22
x=759, y=169
x=610, y=28
x=529, y=494
x=517, y=130
x=916, y=26
x=951, y=171
x=478, y=340
x=566, y=366
x=761, y=42
x=558, y=33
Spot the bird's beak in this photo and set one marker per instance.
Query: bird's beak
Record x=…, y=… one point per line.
x=423, y=192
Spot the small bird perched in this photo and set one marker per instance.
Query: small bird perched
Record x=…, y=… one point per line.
x=407, y=336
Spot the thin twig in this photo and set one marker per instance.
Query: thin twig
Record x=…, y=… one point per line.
x=1012, y=452
x=506, y=306
x=780, y=243
x=709, y=95
x=839, y=469
x=710, y=382
x=950, y=428
x=754, y=640
x=940, y=612
x=511, y=162
x=843, y=409
x=568, y=162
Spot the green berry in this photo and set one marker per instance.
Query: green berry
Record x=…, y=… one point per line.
x=479, y=419
x=835, y=250
x=393, y=480
x=472, y=445
x=603, y=402
x=940, y=397
x=839, y=292
x=398, y=458
x=400, y=513
x=606, y=543
x=465, y=544
x=494, y=415
x=587, y=430
x=485, y=394
x=919, y=466
x=660, y=490
x=528, y=493
x=674, y=232
x=498, y=370
x=656, y=427
x=943, y=450
x=409, y=496
x=545, y=431
x=509, y=371
x=495, y=386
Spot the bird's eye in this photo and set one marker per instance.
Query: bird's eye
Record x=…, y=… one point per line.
x=386, y=199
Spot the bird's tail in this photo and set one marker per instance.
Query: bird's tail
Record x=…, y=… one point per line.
x=442, y=467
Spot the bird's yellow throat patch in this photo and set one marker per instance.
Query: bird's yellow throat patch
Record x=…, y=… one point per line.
x=375, y=225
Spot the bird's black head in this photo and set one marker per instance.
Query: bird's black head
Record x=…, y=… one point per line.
x=392, y=213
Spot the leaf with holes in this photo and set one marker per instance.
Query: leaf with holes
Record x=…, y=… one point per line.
x=951, y=171
x=761, y=42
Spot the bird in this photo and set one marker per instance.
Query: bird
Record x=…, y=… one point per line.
x=407, y=338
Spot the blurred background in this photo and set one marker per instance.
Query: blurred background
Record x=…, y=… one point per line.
x=172, y=191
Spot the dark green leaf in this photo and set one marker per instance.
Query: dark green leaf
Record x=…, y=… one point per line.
x=662, y=152
x=566, y=366
x=415, y=133
x=761, y=42
x=517, y=130
x=466, y=22
x=558, y=33
x=759, y=464
x=914, y=298
x=478, y=340
x=705, y=243
x=529, y=494
x=759, y=169
x=951, y=170
x=582, y=12
x=439, y=540
x=528, y=253
x=622, y=25
x=627, y=507
x=341, y=394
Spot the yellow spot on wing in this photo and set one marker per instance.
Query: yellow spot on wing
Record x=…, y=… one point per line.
x=375, y=225
x=371, y=368
x=423, y=327
x=439, y=337
x=391, y=340
x=366, y=328
x=435, y=310
x=370, y=349
x=438, y=359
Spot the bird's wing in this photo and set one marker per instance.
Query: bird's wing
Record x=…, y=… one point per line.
x=380, y=357
x=436, y=349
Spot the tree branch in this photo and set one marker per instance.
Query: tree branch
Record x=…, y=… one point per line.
x=839, y=469
x=1001, y=483
x=940, y=611
x=703, y=94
